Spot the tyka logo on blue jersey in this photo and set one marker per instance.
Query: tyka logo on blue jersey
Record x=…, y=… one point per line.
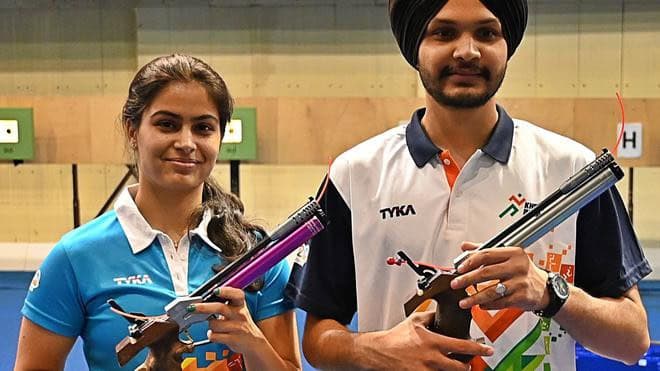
x=397, y=211
x=137, y=279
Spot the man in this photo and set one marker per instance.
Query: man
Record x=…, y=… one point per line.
x=462, y=170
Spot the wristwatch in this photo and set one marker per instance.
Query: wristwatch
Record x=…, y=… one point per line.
x=558, y=289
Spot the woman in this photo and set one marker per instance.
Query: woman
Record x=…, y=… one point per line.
x=144, y=253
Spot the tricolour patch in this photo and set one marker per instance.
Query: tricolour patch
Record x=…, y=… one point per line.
x=35, y=280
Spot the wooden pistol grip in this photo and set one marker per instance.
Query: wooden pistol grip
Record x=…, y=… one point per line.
x=166, y=354
x=156, y=334
x=450, y=320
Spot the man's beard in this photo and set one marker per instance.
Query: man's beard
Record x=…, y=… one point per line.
x=434, y=88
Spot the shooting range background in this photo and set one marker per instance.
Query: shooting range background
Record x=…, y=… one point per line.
x=322, y=74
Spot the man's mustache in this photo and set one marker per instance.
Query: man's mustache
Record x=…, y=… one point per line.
x=465, y=69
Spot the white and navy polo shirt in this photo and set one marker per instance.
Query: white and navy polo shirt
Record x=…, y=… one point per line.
x=398, y=191
x=120, y=256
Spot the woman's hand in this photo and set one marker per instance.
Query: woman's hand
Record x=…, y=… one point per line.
x=233, y=324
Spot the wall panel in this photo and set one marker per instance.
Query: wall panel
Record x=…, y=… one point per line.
x=599, y=52
x=7, y=51
x=81, y=50
x=285, y=51
x=330, y=48
x=272, y=193
x=556, y=114
x=105, y=137
x=378, y=67
x=118, y=47
x=311, y=130
x=153, y=37
x=37, y=56
x=95, y=185
x=557, y=46
x=35, y=202
x=646, y=201
x=62, y=128
x=641, y=49
x=61, y=49
x=520, y=81
x=50, y=204
x=233, y=48
x=596, y=121
x=190, y=30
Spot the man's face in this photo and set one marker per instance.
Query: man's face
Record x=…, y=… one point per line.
x=463, y=55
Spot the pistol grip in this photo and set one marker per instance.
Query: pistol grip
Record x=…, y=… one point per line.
x=450, y=320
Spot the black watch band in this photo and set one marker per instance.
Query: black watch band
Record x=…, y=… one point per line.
x=558, y=290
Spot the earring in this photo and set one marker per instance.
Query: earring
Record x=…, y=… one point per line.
x=133, y=144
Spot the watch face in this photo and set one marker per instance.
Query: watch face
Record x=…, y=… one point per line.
x=560, y=286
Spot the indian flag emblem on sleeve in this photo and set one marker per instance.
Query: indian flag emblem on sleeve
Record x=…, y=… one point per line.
x=35, y=280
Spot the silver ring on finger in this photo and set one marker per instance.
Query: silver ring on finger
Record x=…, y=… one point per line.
x=500, y=289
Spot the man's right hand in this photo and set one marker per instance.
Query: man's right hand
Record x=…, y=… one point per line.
x=410, y=345
x=407, y=346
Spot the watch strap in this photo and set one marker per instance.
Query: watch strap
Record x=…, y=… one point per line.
x=555, y=301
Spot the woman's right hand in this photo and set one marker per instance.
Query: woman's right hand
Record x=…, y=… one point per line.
x=233, y=325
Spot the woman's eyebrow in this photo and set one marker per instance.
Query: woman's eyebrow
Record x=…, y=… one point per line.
x=179, y=117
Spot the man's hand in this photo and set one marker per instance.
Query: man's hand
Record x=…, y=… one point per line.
x=411, y=346
x=525, y=283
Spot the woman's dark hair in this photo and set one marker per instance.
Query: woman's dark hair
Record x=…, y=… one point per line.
x=228, y=229
x=158, y=73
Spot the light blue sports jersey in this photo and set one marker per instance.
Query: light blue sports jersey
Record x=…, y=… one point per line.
x=96, y=262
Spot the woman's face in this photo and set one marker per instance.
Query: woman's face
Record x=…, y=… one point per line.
x=178, y=138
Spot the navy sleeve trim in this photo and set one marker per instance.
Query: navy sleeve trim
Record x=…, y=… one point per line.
x=640, y=271
x=609, y=259
x=325, y=287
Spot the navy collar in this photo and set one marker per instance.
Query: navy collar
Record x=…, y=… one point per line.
x=422, y=149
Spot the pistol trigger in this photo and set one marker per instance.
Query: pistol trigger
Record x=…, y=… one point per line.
x=128, y=316
x=201, y=342
x=188, y=336
x=113, y=303
x=194, y=343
